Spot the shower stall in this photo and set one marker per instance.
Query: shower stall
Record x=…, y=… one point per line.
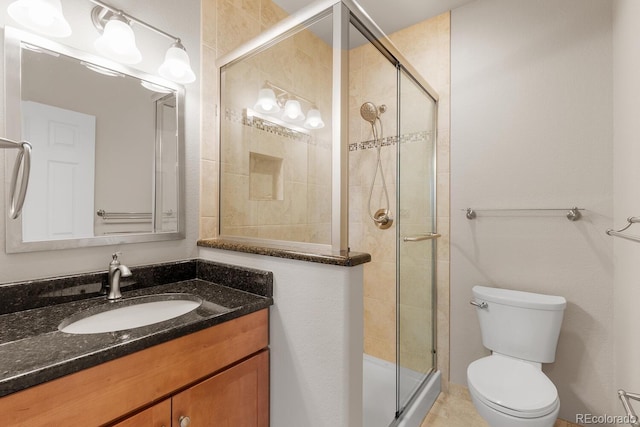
x=327, y=145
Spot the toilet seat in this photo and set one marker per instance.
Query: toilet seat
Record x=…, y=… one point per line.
x=512, y=386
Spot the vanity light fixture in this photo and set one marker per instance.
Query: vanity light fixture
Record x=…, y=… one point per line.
x=42, y=16
x=272, y=99
x=176, y=66
x=118, y=42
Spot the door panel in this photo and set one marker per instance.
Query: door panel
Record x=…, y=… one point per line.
x=60, y=200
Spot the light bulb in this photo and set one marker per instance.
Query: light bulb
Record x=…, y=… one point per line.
x=267, y=102
x=176, y=65
x=42, y=16
x=118, y=42
x=293, y=111
x=314, y=119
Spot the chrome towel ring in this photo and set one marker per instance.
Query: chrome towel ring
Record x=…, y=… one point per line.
x=22, y=168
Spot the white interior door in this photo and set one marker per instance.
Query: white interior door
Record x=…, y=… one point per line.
x=60, y=200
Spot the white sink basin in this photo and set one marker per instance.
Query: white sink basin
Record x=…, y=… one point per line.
x=130, y=313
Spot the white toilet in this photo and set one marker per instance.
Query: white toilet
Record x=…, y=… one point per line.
x=521, y=329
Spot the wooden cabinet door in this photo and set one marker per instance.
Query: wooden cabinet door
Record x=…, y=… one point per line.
x=158, y=415
x=236, y=397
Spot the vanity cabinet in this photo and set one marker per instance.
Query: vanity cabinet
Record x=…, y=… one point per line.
x=238, y=396
x=220, y=373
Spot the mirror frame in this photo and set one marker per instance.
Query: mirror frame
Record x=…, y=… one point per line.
x=13, y=38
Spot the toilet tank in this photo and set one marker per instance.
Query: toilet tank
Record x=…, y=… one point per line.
x=520, y=324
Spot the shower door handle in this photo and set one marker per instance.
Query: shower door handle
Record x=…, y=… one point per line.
x=428, y=236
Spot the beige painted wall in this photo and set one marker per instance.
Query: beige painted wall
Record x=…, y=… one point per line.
x=626, y=152
x=531, y=124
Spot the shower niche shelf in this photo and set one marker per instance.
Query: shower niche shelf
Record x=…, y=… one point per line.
x=265, y=177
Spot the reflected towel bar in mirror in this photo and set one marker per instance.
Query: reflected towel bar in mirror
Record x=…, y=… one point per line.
x=129, y=215
x=573, y=214
x=619, y=233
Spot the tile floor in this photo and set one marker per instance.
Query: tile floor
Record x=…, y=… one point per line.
x=455, y=409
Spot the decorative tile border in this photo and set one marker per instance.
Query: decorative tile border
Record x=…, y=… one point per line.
x=424, y=136
x=255, y=122
x=236, y=116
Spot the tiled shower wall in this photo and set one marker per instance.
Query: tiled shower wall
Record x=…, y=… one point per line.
x=277, y=181
x=295, y=208
x=226, y=24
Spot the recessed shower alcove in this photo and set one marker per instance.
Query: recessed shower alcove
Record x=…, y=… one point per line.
x=327, y=145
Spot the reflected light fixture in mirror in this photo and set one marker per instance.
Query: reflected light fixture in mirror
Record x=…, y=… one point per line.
x=118, y=42
x=314, y=119
x=176, y=65
x=272, y=99
x=293, y=111
x=267, y=102
x=42, y=16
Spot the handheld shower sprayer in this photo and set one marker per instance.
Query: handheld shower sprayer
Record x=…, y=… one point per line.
x=371, y=113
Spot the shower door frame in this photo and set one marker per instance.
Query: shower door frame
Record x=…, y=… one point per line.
x=344, y=12
x=402, y=405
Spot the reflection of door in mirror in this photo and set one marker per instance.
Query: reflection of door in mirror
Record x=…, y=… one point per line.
x=59, y=204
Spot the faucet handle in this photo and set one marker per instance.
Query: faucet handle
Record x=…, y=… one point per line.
x=114, y=259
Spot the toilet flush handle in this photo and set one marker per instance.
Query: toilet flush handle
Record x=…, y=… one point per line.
x=481, y=304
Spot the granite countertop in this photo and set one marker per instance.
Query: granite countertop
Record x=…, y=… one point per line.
x=350, y=259
x=33, y=350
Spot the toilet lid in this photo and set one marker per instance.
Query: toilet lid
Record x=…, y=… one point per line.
x=512, y=386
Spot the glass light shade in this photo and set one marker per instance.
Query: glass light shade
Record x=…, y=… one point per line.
x=293, y=111
x=118, y=42
x=42, y=16
x=267, y=102
x=177, y=66
x=314, y=119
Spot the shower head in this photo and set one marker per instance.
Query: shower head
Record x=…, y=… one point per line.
x=369, y=112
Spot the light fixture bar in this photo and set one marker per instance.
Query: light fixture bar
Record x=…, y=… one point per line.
x=267, y=83
x=134, y=19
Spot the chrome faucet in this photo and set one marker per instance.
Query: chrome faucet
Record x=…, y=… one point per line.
x=116, y=272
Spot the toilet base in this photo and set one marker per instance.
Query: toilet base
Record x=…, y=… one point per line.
x=499, y=419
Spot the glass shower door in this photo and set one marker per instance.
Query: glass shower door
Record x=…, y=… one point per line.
x=416, y=248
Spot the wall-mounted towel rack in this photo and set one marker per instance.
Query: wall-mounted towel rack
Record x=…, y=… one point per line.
x=106, y=216
x=573, y=214
x=632, y=418
x=619, y=233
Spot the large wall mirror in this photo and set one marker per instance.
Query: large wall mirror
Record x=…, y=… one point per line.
x=108, y=148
